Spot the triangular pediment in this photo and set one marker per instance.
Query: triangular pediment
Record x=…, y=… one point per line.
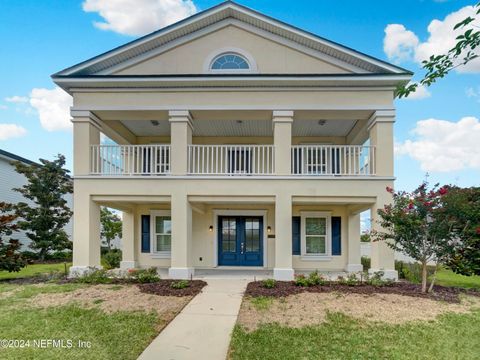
x=187, y=47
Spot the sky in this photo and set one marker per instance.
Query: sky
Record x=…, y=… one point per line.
x=437, y=132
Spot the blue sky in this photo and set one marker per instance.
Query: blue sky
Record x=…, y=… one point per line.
x=42, y=37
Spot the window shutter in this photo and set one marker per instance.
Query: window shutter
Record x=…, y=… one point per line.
x=296, y=235
x=145, y=233
x=336, y=235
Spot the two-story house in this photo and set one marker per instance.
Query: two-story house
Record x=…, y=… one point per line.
x=243, y=142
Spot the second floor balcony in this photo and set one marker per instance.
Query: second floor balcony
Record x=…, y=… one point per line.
x=233, y=160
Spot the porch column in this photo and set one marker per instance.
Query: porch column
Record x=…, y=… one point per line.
x=128, y=241
x=85, y=133
x=283, y=238
x=86, y=233
x=180, y=138
x=382, y=257
x=181, y=255
x=282, y=138
x=380, y=130
x=354, y=256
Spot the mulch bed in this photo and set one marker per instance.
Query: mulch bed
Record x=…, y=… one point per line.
x=164, y=288
x=286, y=288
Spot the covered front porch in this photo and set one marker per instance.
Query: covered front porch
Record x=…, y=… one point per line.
x=254, y=236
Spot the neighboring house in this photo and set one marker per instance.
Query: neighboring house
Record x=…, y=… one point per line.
x=10, y=179
x=244, y=142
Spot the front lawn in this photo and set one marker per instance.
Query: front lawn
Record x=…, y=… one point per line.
x=447, y=277
x=452, y=336
x=92, y=321
x=34, y=270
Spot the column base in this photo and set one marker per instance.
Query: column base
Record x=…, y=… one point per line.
x=78, y=271
x=354, y=268
x=387, y=274
x=181, y=273
x=126, y=265
x=283, y=274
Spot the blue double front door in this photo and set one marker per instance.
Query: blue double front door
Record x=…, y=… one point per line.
x=240, y=241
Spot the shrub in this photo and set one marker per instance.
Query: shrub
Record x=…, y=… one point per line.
x=60, y=256
x=366, y=262
x=112, y=259
x=96, y=276
x=301, y=280
x=269, y=283
x=314, y=278
x=144, y=276
x=352, y=280
x=412, y=271
x=180, y=284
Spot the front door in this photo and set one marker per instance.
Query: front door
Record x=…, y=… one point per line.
x=240, y=241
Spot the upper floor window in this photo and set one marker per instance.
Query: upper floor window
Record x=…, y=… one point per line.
x=230, y=61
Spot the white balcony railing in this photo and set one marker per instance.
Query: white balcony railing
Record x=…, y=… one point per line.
x=235, y=160
x=129, y=159
x=341, y=160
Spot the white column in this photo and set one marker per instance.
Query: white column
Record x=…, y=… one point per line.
x=85, y=133
x=128, y=241
x=181, y=256
x=282, y=138
x=180, y=138
x=86, y=233
x=382, y=256
x=283, y=269
x=380, y=129
x=354, y=256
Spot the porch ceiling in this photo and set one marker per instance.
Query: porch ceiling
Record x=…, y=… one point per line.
x=238, y=123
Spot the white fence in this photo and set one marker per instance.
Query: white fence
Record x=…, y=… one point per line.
x=347, y=160
x=231, y=160
x=129, y=159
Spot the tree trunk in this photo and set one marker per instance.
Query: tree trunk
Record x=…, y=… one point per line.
x=434, y=277
x=424, y=276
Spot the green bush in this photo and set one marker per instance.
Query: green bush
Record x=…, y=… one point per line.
x=352, y=280
x=60, y=256
x=269, y=283
x=180, y=284
x=144, y=276
x=366, y=262
x=301, y=280
x=412, y=271
x=314, y=278
x=112, y=259
x=99, y=276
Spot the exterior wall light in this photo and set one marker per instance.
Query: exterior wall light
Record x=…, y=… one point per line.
x=210, y=228
x=269, y=229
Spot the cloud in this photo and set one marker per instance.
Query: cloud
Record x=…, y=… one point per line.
x=420, y=93
x=401, y=44
x=16, y=99
x=473, y=93
x=10, y=131
x=3, y=107
x=53, y=107
x=442, y=146
x=138, y=17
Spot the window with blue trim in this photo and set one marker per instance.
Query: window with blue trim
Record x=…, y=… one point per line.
x=230, y=61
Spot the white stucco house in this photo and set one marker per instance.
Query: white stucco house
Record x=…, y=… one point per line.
x=242, y=142
x=10, y=179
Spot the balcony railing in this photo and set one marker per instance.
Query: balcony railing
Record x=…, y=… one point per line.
x=341, y=160
x=129, y=159
x=235, y=160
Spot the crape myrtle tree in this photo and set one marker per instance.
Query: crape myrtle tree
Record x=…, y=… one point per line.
x=465, y=50
x=414, y=224
x=111, y=226
x=10, y=257
x=44, y=221
x=462, y=207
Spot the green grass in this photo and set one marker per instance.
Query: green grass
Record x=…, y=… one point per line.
x=119, y=335
x=34, y=270
x=453, y=336
x=447, y=277
x=262, y=302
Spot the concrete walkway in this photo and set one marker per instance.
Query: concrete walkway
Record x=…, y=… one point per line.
x=203, y=328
